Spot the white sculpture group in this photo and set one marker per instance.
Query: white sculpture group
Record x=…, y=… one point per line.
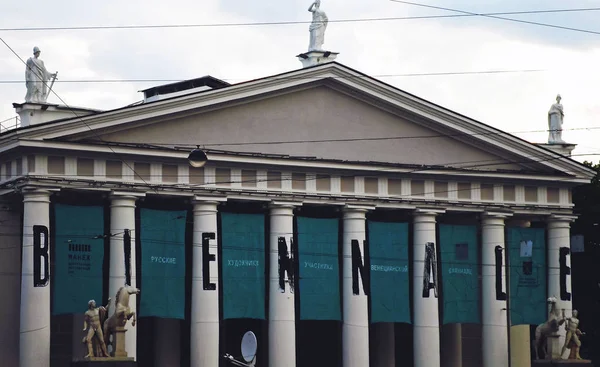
x=555, y=121
x=317, y=27
x=549, y=329
x=36, y=78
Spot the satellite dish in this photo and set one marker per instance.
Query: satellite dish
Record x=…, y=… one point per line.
x=249, y=345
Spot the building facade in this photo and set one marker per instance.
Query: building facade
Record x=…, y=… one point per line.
x=343, y=221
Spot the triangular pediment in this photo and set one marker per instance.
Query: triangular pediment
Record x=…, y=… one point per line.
x=325, y=112
x=320, y=122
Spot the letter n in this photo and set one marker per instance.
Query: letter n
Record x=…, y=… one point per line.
x=207, y=257
x=358, y=265
x=564, y=271
x=40, y=256
x=430, y=271
x=286, y=262
x=500, y=294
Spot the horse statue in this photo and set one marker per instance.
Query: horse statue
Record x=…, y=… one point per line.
x=122, y=312
x=547, y=328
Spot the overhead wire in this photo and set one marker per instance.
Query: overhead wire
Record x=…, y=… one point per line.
x=72, y=111
x=274, y=23
x=495, y=16
x=376, y=138
x=449, y=73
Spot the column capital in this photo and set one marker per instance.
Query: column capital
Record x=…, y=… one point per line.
x=275, y=204
x=428, y=212
x=126, y=195
x=199, y=199
x=357, y=208
x=34, y=194
x=356, y=211
x=496, y=215
x=561, y=218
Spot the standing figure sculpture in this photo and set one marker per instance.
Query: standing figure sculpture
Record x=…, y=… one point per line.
x=121, y=315
x=92, y=323
x=555, y=122
x=36, y=77
x=549, y=327
x=573, y=333
x=317, y=27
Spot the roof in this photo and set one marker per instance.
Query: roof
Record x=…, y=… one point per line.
x=78, y=128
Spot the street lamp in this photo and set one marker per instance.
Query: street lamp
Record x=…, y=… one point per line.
x=197, y=158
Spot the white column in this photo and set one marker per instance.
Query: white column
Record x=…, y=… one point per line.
x=122, y=217
x=282, y=320
x=355, y=330
x=34, y=347
x=204, y=336
x=493, y=310
x=426, y=323
x=559, y=235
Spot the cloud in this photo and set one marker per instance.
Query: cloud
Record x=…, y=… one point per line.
x=512, y=102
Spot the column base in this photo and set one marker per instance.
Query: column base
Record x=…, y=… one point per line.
x=105, y=362
x=564, y=363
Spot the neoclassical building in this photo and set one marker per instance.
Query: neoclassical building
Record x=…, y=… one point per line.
x=342, y=220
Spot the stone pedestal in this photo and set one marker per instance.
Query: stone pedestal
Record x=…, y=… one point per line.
x=105, y=362
x=563, y=363
x=313, y=58
x=119, y=343
x=553, y=346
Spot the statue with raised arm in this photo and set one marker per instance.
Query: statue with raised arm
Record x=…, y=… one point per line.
x=555, y=121
x=573, y=333
x=36, y=77
x=92, y=323
x=317, y=27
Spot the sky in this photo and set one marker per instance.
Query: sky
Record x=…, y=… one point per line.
x=552, y=61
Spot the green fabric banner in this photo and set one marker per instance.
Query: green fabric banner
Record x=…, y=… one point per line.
x=243, y=264
x=528, y=290
x=388, y=253
x=459, y=256
x=162, y=238
x=318, y=268
x=79, y=257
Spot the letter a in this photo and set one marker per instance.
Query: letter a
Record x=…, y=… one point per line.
x=40, y=256
x=358, y=266
x=286, y=262
x=207, y=257
x=430, y=271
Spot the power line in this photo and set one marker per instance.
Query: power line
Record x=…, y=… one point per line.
x=495, y=16
x=378, y=138
x=74, y=112
x=274, y=23
x=447, y=73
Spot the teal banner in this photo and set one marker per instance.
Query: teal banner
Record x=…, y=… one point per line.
x=318, y=268
x=243, y=264
x=79, y=257
x=459, y=256
x=388, y=253
x=162, y=239
x=528, y=290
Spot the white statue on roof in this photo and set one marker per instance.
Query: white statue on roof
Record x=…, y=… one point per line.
x=556, y=116
x=317, y=27
x=36, y=78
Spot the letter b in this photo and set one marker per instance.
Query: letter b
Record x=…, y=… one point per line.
x=40, y=256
